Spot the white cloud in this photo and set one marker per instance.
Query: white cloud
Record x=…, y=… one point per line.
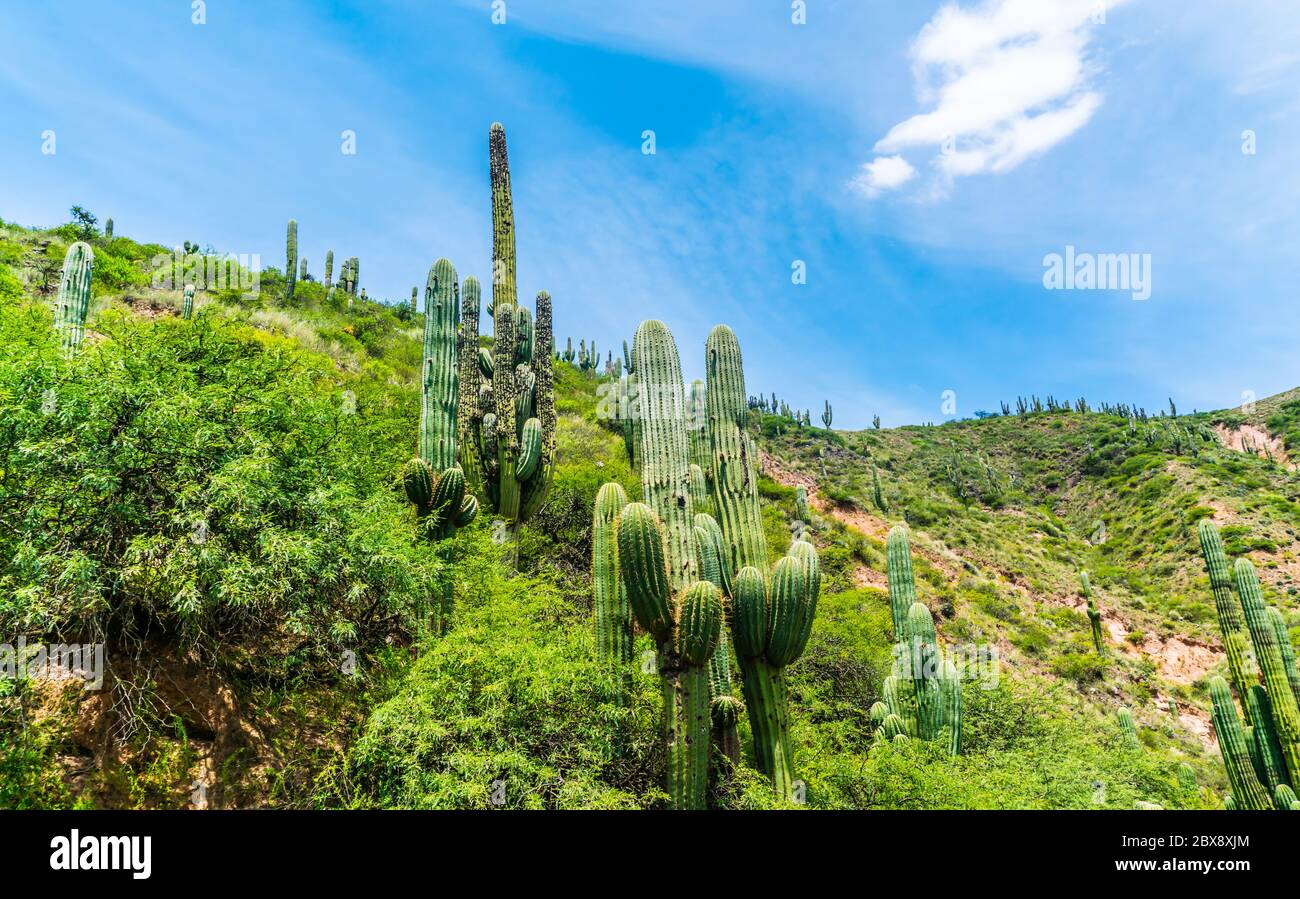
x=883, y=173
x=1007, y=79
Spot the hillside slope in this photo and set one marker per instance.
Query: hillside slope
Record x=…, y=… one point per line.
x=280, y=660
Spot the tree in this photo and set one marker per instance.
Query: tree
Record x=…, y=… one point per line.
x=85, y=221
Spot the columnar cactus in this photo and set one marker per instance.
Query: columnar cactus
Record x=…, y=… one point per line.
x=1232, y=624
x=902, y=583
x=1094, y=614
x=771, y=617
x=698, y=423
x=291, y=264
x=1247, y=791
x=73, y=300
x=923, y=695
x=613, y=614
x=1128, y=729
x=685, y=620
x=1285, y=715
x=801, y=504
x=434, y=482
x=302, y=269
x=1287, y=650
x=827, y=415
x=108, y=230
x=415, y=300
x=734, y=455
x=329, y=270
x=188, y=308
x=508, y=424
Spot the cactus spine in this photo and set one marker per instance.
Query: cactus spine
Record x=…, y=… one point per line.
x=613, y=614
x=433, y=480
x=291, y=263
x=1232, y=624
x=771, y=620
x=1094, y=614
x=508, y=423
x=188, y=308
x=73, y=301
x=329, y=270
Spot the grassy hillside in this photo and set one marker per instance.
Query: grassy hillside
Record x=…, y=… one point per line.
x=216, y=500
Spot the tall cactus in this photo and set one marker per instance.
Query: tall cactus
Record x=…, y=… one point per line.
x=1247, y=791
x=612, y=612
x=187, y=310
x=302, y=269
x=902, y=583
x=329, y=270
x=434, y=482
x=73, y=302
x=1232, y=624
x=1128, y=728
x=108, y=230
x=923, y=696
x=734, y=456
x=685, y=623
x=1094, y=614
x=508, y=423
x=291, y=257
x=771, y=617
x=1268, y=653
x=827, y=415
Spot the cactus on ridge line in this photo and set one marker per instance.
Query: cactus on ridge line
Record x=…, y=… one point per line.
x=291, y=256
x=73, y=300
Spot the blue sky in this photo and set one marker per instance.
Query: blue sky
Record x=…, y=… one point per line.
x=920, y=158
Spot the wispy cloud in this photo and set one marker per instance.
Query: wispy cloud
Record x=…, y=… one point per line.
x=1008, y=80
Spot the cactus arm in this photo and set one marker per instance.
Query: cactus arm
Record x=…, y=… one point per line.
x=902, y=583
x=1288, y=651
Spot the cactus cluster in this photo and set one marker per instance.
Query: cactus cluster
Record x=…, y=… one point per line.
x=291, y=259
x=1261, y=753
x=681, y=567
x=433, y=480
x=922, y=698
x=73, y=301
x=507, y=404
